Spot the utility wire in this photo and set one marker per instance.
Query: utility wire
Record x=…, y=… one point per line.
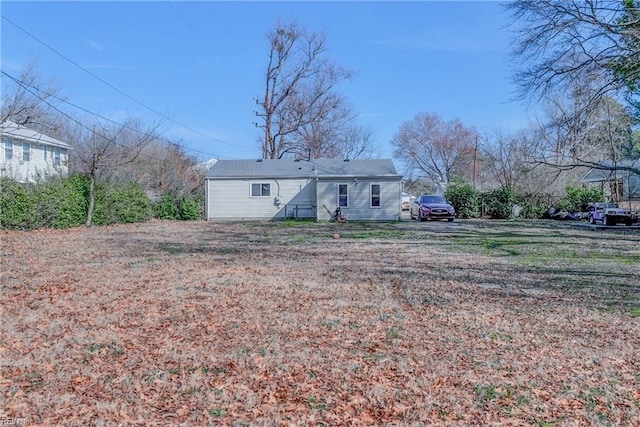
x=202, y=39
x=30, y=89
x=115, y=88
x=27, y=85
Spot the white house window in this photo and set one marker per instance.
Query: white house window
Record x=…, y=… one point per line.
x=343, y=195
x=44, y=151
x=260, y=189
x=56, y=156
x=26, y=151
x=375, y=195
x=8, y=149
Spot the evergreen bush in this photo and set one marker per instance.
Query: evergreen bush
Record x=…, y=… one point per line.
x=463, y=197
x=498, y=203
x=190, y=209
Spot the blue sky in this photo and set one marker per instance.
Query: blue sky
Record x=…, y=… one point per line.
x=202, y=63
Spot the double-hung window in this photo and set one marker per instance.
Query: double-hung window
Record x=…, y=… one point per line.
x=260, y=189
x=56, y=156
x=343, y=195
x=8, y=149
x=26, y=151
x=375, y=195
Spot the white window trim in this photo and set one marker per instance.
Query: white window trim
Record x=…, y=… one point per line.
x=338, y=195
x=8, y=149
x=371, y=195
x=260, y=183
x=26, y=152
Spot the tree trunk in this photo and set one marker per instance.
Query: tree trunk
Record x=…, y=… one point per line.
x=92, y=196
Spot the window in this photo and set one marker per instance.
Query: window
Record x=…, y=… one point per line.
x=26, y=151
x=343, y=195
x=56, y=156
x=375, y=195
x=44, y=151
x=260, y=189
x=8, y=149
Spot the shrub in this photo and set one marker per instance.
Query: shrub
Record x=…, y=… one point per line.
x=166, y=208
x=121, y=204
x=533, y=206
x=578, y=199
x=16, y=205
x=498, y=203
x=463, y=197
x=190, y=208
x=72, y=202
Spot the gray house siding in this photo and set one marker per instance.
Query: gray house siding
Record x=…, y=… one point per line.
x=278, y=189
x=359, y=206
x=231, y=199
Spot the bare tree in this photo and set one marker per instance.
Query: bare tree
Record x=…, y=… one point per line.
x=300, y=84
x=164, y=167
x=572, y=136
x=102, y=151
x=434, y=147
x=559, y=42
x=509, y=161
x=29, y=101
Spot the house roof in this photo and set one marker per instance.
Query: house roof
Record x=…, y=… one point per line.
x=9, y=129
x=289, y=168
x=607, y=172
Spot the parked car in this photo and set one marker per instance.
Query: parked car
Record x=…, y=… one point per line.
x=609, y=214
x=406, y=201
x=430, y=206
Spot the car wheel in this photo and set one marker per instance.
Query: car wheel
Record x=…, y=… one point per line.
x=606, y=221
x=592, y=220
x=450, y=219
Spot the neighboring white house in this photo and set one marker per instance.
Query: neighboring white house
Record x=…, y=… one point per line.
x=25, y=153
x=364, y=189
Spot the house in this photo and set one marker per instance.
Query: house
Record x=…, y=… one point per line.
x=364, y=189
x=618, y=185
x=25, y=153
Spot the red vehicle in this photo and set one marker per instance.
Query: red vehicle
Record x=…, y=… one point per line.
x=429, y=206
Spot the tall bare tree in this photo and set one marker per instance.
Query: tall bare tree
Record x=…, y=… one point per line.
x=436, y=148
x=559, y=42
x=508, y=160
x=571, y=136
x=300, y=89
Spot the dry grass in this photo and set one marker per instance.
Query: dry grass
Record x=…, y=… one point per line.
x=473, y=323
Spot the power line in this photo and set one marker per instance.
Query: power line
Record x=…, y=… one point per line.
x=29, y=88
x=202, y=39
x=115, y=88
x=27, y=85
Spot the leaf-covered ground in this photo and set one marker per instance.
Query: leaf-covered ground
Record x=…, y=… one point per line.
x=197, y=323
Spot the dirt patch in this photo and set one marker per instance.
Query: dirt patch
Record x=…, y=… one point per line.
x=201, y=323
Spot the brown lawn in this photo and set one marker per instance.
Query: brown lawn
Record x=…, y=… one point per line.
x=196, y=323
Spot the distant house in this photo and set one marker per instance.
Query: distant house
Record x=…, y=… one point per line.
x=364, y=189
x=25, y=153
x=620, y=185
